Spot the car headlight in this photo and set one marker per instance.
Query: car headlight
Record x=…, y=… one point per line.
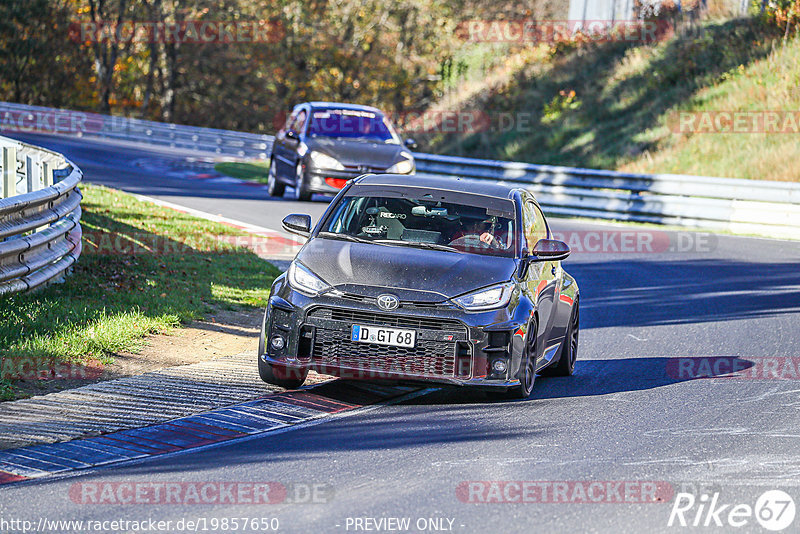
x=486, y=299
x=324, y=161
x=405, y=166
x=304, y=281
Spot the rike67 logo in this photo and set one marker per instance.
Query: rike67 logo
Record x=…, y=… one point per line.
x=774, y=511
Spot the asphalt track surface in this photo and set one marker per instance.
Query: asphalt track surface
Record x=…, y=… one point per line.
x=652, y=399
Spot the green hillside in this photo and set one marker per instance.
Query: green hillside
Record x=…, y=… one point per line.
x=613, y=105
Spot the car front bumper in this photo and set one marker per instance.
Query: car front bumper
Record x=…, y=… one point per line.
x=326, y=181
x=453, y=346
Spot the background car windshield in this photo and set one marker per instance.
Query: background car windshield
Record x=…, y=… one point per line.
x=352, y=124
x=417, y=222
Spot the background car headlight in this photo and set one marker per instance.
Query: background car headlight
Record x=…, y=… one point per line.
x=306, y=282
x=324, y=161
x=405, y=166
x=486, y=299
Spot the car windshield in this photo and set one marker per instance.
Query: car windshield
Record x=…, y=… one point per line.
x=462, y=226
x=352, y=124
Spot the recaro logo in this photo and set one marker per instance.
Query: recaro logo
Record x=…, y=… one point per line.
x=388, y=302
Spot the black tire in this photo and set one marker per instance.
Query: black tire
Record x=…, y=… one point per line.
x=275, y=188
x=527, y=369
x=301, y=192
x=278, y=375
x=568, y=354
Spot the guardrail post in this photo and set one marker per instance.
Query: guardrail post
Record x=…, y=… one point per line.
x=31, y=176
x=47, y=174
x=9, y=171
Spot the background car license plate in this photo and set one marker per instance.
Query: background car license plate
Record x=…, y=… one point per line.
x=383, y=336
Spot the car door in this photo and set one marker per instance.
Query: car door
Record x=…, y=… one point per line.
x=293, y=142
x=554, y=274
x=541, y=275
x=284, y=150
x=279, y=150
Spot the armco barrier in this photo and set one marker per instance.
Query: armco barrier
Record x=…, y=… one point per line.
x=740, y=206
x=40, y=234
x=35, y=119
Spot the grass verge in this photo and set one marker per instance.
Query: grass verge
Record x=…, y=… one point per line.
x=254, y=171
x=144, y=269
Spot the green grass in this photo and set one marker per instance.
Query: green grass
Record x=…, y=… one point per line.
x=180, y=272
x=607, y=105
x=254, y=171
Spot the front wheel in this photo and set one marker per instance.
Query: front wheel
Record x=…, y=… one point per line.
x=527, y=369
x=301, y=191
x=568, y=354
x=278, y=375
x=275, y=188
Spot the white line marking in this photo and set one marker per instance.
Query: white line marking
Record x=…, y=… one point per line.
x=252, y=228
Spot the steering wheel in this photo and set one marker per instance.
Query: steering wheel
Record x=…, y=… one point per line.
x=473, y=240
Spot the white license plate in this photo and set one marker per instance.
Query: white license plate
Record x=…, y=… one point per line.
x=394, y=337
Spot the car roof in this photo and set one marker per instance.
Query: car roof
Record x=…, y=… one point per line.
x=446, y=183
x=342, y=105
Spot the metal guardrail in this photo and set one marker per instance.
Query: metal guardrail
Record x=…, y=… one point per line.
x=739, y=206
x=40, y=233
x=35, y=119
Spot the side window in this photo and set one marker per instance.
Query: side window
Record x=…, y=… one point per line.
x=535, y=224
x=288, y=124
x=541, y=222
x=299, y=123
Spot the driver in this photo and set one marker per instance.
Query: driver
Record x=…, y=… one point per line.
x=488, y=232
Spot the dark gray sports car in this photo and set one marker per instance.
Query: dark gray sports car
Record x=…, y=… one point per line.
x=325, y=144
x=424, y=279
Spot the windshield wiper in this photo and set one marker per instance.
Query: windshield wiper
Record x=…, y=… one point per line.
x=345, y=237
x=419, y=244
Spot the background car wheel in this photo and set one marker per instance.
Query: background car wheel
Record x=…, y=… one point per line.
x=301, y=191
x=568, y=353
x=274, y=187
x=527, y=371
x=278, y=375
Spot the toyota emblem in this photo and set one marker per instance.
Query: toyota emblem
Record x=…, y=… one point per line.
x=388, y=302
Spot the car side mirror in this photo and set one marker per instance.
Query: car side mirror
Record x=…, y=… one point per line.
x=291, y=134
x=298, y=223
x=410, y=143
x=550, y=250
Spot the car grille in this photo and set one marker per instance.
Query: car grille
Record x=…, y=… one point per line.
x=430, y=357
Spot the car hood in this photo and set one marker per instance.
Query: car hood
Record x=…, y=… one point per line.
x=414, y=274
x=357, y=152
